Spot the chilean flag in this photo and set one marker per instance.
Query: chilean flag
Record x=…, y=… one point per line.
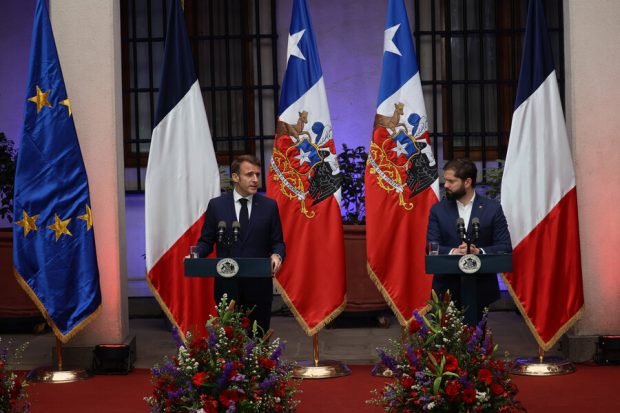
x=401, y=175
x=304, y=178
x=539, y=196
x=181, y=177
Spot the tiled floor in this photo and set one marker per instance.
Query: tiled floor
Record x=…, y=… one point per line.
x=352, y=339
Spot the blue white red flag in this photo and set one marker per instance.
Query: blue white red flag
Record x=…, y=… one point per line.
x=539, y=195
x=401, y=175
x=53, y=241
x=181, y=177
x=304, y=178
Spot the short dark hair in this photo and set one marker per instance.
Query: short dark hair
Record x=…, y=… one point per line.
x=236, y=163
x=463, y=168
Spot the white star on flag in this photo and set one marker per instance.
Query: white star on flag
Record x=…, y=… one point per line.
x=293, y=45
x=388, y=40
x=400, y=148
x=303, y=157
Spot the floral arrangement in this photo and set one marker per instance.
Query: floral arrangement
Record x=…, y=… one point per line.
x=13, y=395
x=227, y=371
x=445, y=366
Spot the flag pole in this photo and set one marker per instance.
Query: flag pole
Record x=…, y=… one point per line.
x=315, y=349
x=58, y=354
x=316, y=369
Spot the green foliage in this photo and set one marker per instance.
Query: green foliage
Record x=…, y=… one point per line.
x=352, y=166
x=494, y=180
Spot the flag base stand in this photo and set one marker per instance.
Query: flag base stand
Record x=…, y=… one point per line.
x=548, y=366
x=57, y=375
x=325, y=369
x=542, y=366
x=49, y=375
x=316, y=369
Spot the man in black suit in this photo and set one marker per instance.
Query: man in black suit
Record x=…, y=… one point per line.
x=260, y=236
x=463, y=202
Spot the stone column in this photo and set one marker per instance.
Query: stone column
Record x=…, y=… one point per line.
x=88, y=36
x=592, y=102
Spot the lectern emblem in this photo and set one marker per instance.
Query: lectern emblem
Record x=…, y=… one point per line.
x=469, y=263
x=227, y=267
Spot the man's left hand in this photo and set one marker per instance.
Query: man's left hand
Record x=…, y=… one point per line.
x=276, y=263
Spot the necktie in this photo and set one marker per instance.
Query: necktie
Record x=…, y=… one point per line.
x=244, y=216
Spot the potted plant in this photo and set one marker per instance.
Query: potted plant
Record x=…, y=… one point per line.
x=362, y=294
x=228, y=370
x=14, y=302
x=353, y=165
x=443, y=365
x=8, y=158
x=494, y=180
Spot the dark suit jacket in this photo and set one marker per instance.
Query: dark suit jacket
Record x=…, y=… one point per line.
x=262, y=238
x=494, y=239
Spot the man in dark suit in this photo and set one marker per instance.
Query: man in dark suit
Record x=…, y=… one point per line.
x=463, y=202
x=260, y=236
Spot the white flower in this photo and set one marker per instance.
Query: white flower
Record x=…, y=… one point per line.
x=482, y=396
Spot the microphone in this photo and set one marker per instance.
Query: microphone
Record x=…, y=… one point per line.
x=460, y=228
x=221, y=229
x=475, y=224
x=236, y=229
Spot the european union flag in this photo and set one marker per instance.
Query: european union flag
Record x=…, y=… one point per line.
x=53, y=241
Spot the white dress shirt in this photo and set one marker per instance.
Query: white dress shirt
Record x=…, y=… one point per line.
x=237, y=197
x=465, y=213
x=465, y=210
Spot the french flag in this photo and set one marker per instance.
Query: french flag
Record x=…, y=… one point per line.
x=181, y=177
x=539, y=196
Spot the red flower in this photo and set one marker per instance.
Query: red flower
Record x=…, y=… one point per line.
x=414, y=326
x=484, y=375
x=209, y=404
x=453, y=388
x=267, y=363
x=199, y=378
x=407, y=382
x=497, y=389
x=452, y=364
x=469, y=395
x=229, y=396
x=245, y=323
x=229, y=331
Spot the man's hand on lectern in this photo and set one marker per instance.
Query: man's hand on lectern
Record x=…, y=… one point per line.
x=462, y=249
x=276, y=262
